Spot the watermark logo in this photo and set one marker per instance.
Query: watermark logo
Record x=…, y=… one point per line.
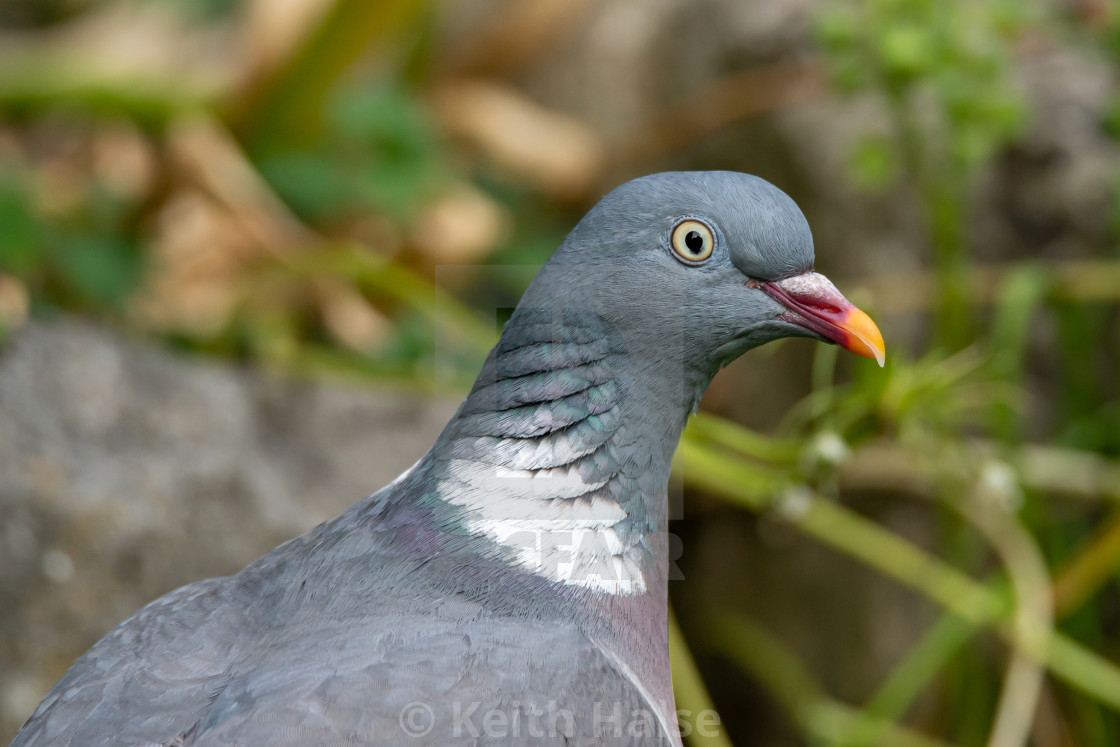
x=606, y=720
x=417, y=719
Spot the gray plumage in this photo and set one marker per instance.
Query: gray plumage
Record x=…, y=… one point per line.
x=415, y=595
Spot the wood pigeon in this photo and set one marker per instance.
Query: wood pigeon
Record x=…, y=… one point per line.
x=511, y=586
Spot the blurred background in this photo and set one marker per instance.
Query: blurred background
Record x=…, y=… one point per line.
x=253, y=251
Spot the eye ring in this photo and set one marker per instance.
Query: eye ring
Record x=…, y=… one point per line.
x=692, y=241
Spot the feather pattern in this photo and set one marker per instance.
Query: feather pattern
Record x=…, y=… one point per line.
x=532, y=459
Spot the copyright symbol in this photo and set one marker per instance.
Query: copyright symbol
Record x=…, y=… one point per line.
x=417, y=719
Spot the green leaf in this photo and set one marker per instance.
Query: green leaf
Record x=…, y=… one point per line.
x=907, y=51
x=873, y=163
x=101, y=269
x=315, y=186
x=398, y=142
x=20, y=243
x=838, y=29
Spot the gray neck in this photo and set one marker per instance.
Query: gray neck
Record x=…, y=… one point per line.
x=558, y=460
x=556, y=468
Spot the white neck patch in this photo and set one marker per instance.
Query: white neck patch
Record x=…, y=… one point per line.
x=556, y=524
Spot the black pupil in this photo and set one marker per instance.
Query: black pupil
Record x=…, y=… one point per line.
x=694, y=241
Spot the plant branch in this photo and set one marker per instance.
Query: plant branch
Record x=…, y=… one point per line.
x=1072, y=281
x=689, y=689
x=1089, y=570
x=972, y=601
x=770, y=663
x=1032, y=624
x=910, y=676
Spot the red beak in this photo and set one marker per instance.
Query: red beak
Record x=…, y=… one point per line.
x=814, y=303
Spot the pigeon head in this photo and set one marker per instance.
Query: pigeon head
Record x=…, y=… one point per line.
x=696, y=268
x=582, y=403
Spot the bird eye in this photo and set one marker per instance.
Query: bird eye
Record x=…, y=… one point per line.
x=692, y=241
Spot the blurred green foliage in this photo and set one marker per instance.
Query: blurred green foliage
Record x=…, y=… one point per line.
x=378, y=153
x=80, y=258
x=943, y=72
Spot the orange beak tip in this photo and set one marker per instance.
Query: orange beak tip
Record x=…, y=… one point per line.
x=864, y=338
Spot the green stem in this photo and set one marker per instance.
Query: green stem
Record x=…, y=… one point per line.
x=906, y=681
x=743, y=441
x=693, y=700
x=945, y=212
x=1089, y=570
x=821, y=718
x=940, y=191
x=1032, y=624
x=375, y=273
x=972, y=601
x=824, y=368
